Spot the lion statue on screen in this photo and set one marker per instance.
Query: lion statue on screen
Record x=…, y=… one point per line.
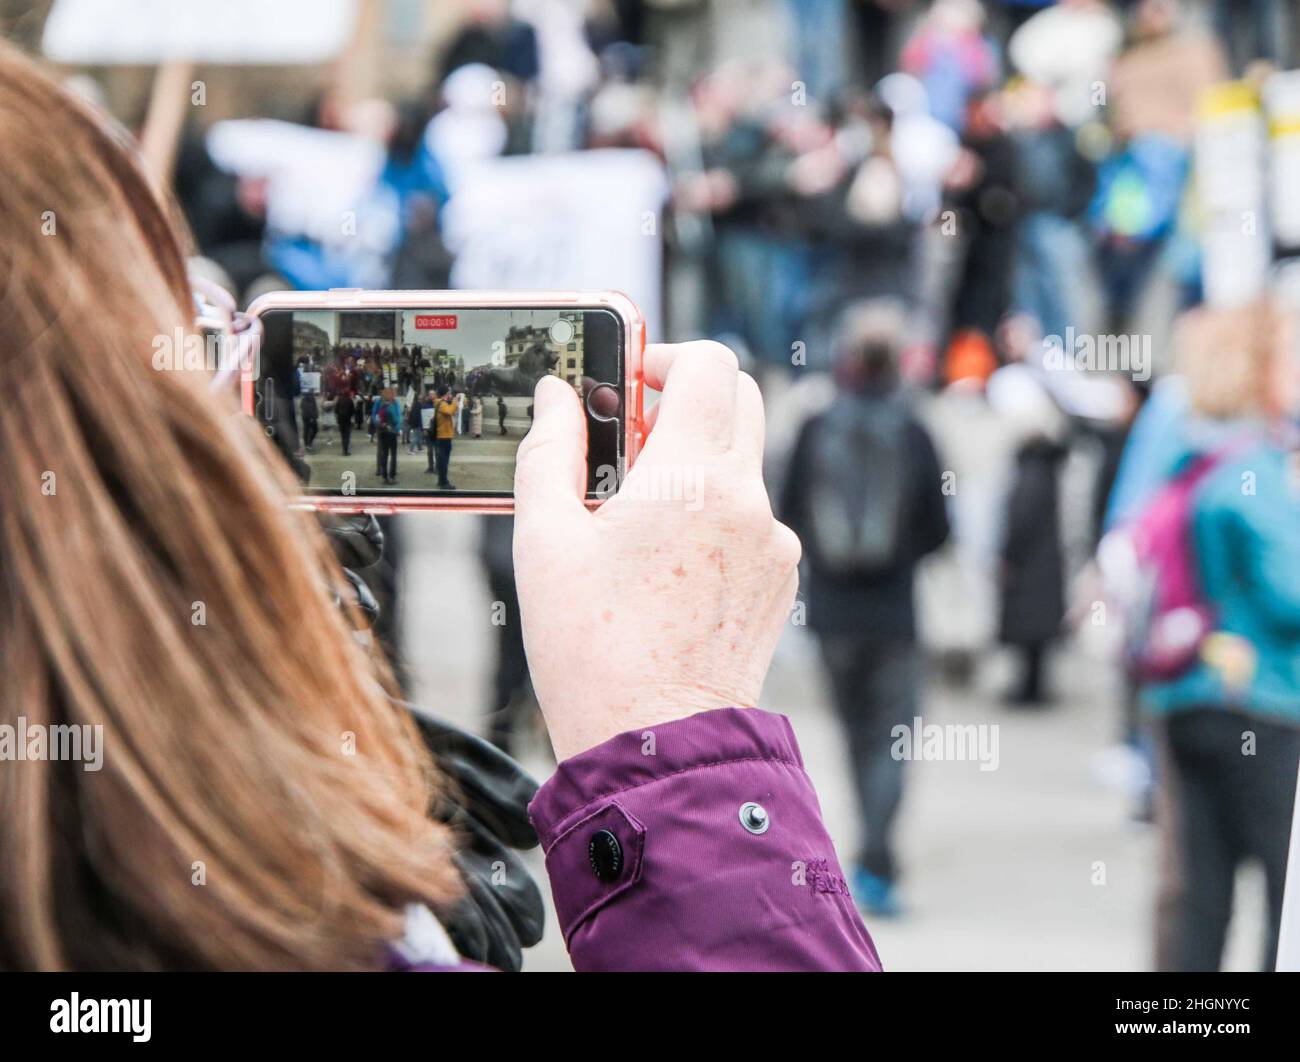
x=517, y=380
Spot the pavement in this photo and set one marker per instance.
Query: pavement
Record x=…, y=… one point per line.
x=484, y=464
x=1033, y=866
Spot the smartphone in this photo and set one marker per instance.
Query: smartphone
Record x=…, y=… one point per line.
x=392, y=401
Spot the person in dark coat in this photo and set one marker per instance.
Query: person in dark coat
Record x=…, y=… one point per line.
x=1032, y=573
x=344, y=412
x=864, y=494
x=983, y=189
x=1056, y=183
x=310, y=410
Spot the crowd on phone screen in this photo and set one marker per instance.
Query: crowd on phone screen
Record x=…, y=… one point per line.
x=396, y=396
x=889, y=207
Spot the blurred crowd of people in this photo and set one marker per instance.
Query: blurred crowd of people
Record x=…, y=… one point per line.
x=897, y=211
x=964, y=155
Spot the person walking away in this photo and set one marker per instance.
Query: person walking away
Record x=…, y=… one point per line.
x=310, y=410
x=1031, y=566
x=388, y=426
x=344, y=412
x=444, y=430
x=501, y=414
x=864, y=493
x=1226, y=710
x=476, y=417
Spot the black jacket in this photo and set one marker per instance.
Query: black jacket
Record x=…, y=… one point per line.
x=1054, y=176
x=1033, y=563
x=878, y=606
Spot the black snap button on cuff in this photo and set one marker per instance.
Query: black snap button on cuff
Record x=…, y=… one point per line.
x=605, y=855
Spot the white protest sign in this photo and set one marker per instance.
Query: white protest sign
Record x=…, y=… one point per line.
x=582, y=221
x=1282, y=101
x=1230, y=165
x=148, y=32
x=318, y=179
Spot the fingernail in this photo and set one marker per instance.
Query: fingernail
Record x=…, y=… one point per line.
x=545, y=395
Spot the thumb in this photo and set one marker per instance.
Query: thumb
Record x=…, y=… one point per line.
x=551, y=464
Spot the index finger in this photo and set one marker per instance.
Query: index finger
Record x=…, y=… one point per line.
x=657, y=360
x=698, y=381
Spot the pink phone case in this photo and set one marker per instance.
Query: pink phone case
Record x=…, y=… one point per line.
x=358, y=299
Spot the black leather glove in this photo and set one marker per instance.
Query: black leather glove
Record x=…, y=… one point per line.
x=487, y=805
x=358, y=540
x=485, y=802
x=362, y=595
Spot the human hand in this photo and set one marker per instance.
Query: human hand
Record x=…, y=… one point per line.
x=670, y=598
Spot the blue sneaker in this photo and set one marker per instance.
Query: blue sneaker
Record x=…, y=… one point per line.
x=875, y=896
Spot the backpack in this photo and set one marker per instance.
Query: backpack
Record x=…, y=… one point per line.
x=1139, y=189
x=1167, y=615
x=856, y=487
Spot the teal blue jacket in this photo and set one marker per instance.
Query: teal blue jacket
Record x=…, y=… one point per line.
x=1246, y=531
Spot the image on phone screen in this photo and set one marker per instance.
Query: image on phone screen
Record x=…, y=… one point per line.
x=431, y=401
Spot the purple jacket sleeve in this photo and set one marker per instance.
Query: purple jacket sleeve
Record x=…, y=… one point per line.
x=685, y=884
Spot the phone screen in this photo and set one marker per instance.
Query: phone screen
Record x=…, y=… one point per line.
x=397, y=402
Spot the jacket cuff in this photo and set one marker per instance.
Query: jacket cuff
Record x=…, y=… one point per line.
x=697, y=845
x=638, y=757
